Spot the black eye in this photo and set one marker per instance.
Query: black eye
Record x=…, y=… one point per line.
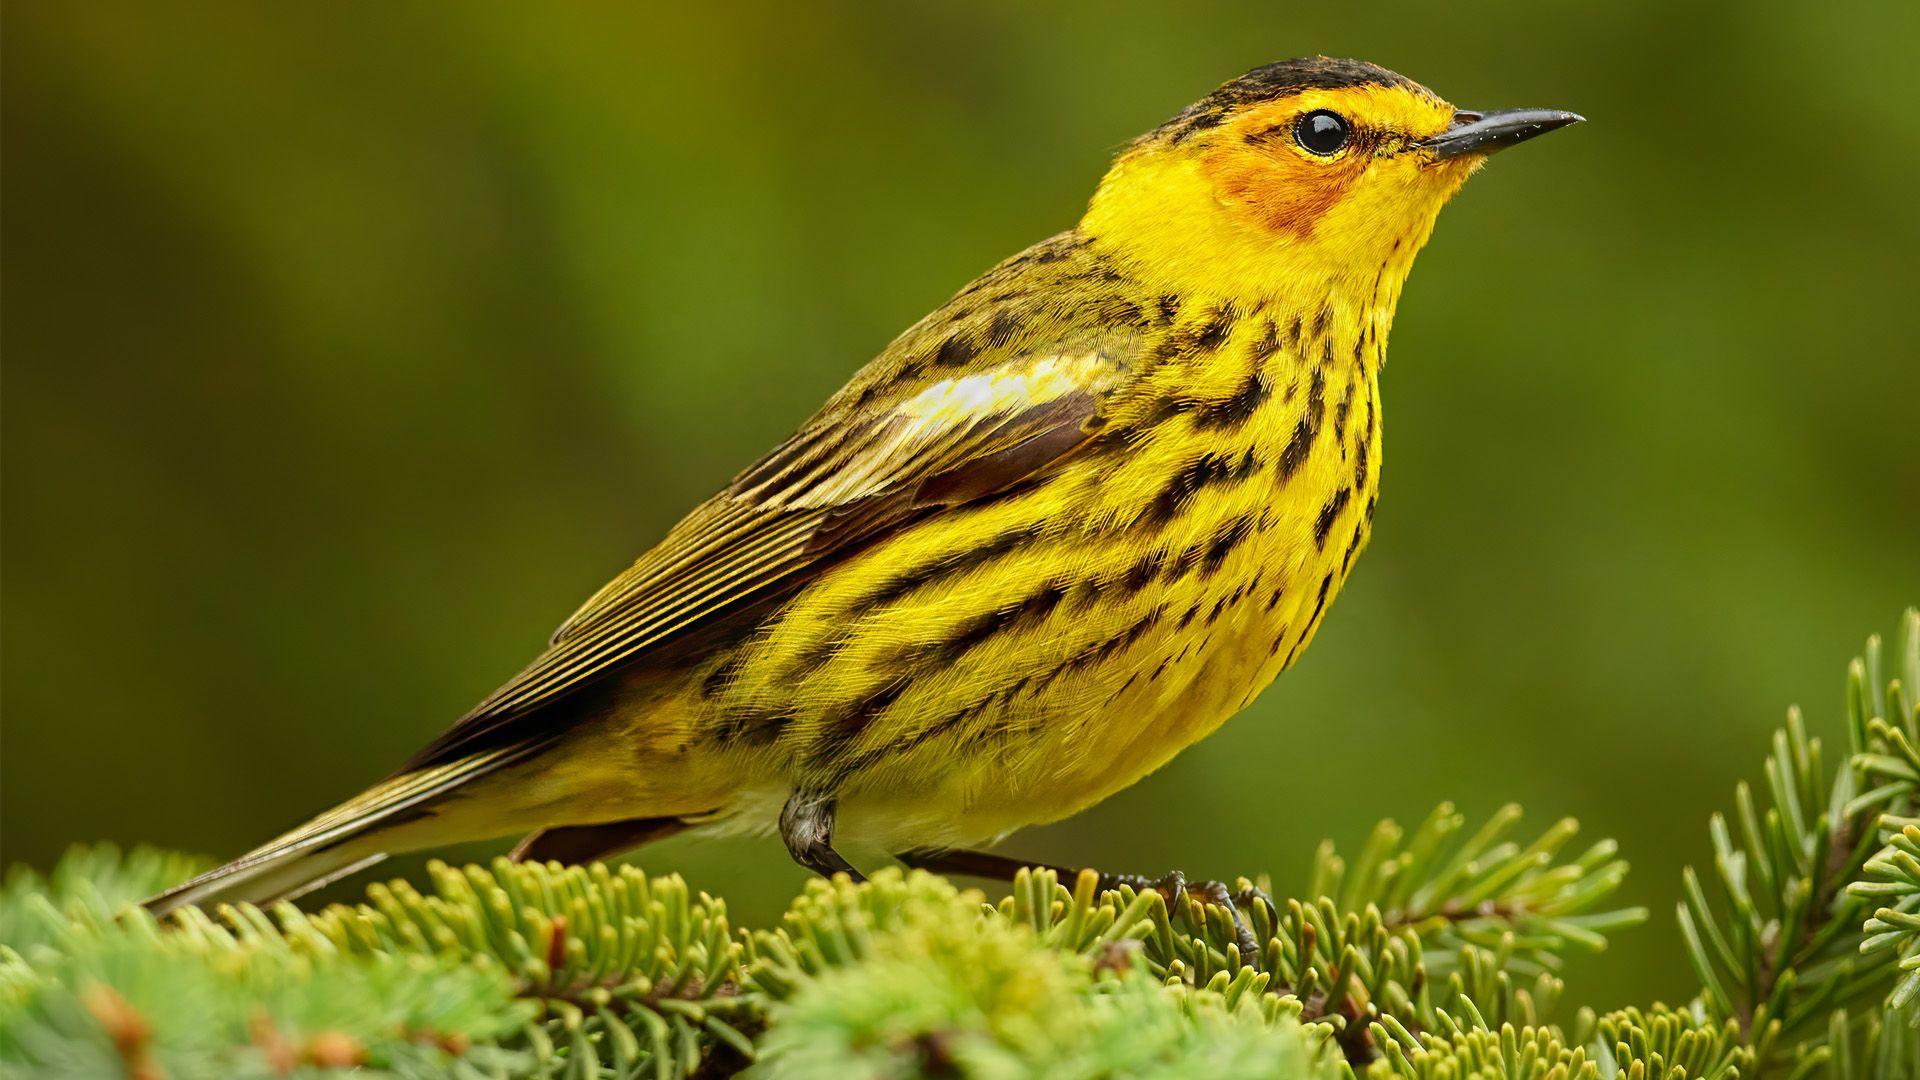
x=1321, y=132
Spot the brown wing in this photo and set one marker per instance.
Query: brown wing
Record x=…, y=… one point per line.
x=868, y=464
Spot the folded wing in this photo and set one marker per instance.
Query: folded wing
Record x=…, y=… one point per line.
x=885, y=453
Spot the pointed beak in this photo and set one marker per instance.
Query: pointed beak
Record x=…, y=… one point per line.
x=1485, y=133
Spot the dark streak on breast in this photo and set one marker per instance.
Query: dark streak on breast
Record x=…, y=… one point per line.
x=1236, y=408
x=956, y=563
x=1223, y=543
x=1313, y=620
x=1294, y=454
x=981, y=629
x=1328, y=515
x=1205, y=471
x=1214, y=332
x=1143, y=570
x=1353, y=547
x=1266, y=344
x=865, y=711
x=1363, y=465
x=1300, y=443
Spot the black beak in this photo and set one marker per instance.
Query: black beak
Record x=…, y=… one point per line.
x=1485, y=133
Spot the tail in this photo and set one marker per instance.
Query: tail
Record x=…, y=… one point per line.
x=350, y=837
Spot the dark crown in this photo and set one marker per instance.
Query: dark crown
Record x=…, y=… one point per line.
x=1278, y=80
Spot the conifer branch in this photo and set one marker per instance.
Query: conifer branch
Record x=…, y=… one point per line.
x=1434, y=954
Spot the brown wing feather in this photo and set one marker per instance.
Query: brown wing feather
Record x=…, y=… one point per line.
x=890, y=449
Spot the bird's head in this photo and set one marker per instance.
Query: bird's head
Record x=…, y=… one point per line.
x=1296, y=173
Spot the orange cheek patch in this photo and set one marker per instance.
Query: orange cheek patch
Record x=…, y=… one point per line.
x=1277, y=189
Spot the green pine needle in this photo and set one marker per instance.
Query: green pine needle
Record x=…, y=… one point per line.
x=1432, y=954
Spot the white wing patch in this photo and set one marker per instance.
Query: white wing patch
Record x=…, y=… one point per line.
x=950, y=412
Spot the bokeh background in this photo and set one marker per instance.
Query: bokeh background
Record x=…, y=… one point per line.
x=348, y=345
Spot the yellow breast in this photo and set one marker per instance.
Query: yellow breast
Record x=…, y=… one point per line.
x=1274, y=453
x=1016, y=661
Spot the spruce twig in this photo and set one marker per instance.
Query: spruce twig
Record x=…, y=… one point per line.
x=1434, y=954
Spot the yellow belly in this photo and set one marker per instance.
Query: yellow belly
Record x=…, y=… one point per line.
x=1218, y=643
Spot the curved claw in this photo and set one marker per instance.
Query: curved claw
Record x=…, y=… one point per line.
x=1213, y=892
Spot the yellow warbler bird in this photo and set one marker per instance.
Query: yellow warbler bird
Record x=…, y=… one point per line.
x=1056, y=532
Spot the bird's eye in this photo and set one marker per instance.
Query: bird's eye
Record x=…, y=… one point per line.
x=1321, y=132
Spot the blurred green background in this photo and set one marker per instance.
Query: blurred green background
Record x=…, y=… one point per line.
x=347, y=346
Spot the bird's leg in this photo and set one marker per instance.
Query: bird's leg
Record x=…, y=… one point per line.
x=806, y=825
x=1001, y=868
x=981, y=864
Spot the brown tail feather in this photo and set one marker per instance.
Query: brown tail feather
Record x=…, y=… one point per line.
x=355, y=834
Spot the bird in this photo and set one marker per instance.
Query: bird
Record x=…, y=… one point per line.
x=1054, y=533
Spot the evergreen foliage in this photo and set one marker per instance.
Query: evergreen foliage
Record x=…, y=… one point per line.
x=1432, y=954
